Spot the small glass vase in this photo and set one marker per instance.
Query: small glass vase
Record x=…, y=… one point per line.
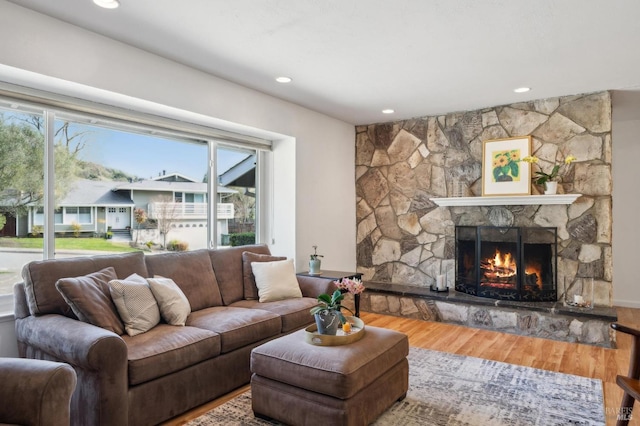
x=550, y=187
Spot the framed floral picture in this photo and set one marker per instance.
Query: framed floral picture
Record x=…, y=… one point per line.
x=503, y=172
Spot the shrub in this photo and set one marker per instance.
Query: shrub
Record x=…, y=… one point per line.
x=242, y=239
x=37, y=230
x=3, y=221
x=76, y=229
x=175, y=245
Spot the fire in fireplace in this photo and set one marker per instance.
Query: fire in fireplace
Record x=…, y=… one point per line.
x=513, y=263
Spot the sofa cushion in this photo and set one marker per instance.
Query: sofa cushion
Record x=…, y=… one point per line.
x=174, y=305
x=166, y=349
x=249, y=281
x=294, y=313
x=90, y=299
x=237, y=327
x=227, y=263
x=193, y=273
x=135, y=303
x=40, y=278
x=276, y=280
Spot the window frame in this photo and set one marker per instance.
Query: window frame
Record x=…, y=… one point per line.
x=58, y=107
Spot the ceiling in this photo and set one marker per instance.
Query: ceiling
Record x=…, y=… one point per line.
x=350, y=59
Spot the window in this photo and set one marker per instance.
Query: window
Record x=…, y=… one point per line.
x=106, y=171
x=38, y=216
x=57, y=215
x=84, y=215
x=81, y=215
x=71, y=215
x=237, y=195
x=22, y=147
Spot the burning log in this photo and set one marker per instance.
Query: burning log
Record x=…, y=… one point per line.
x=531, y=280
x=488, y=268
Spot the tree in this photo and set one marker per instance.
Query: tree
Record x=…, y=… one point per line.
x=22, y=166
x=244, y=206
x=166, y=214
x=72, y=140
x=21, y=159
x=140, y=217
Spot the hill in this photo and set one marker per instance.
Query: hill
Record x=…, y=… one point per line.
x=95, y=171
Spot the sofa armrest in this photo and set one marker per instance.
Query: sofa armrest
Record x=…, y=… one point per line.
x=72, y=341
x=35, y=392
x=315, y=286
x=98, y=356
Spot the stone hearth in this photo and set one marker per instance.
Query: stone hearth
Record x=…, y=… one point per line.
x=550, y=320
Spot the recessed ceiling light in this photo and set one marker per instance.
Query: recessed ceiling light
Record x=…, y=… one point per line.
x=388, y=111
x=522, y=89
x=107, y=4
x=283, y=79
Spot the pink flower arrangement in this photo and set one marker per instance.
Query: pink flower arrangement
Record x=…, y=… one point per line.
x=351, y=285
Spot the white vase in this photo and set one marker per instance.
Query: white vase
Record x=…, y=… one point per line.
x=314, y=267
x=550, y=187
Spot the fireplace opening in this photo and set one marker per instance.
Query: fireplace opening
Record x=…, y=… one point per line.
x=512, y=263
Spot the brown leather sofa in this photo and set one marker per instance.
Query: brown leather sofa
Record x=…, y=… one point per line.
x=35, y=392
x=156, y=375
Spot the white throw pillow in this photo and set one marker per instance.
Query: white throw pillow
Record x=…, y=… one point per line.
x=174, y=305
x=276, y=280
x=136, y=305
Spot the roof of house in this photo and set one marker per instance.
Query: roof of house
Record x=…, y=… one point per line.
x=164, y=186
x=174, y=177
x=241, y=174
x=84, y=192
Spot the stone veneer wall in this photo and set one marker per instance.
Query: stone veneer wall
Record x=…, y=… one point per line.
x=404, y=238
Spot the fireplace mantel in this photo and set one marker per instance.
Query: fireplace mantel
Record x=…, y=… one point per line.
x=506, y=200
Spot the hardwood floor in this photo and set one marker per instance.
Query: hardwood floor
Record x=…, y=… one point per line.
x=569, y=358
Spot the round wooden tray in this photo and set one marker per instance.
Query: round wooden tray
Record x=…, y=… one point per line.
x=341, y=338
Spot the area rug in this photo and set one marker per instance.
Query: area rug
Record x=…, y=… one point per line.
x=447, y=389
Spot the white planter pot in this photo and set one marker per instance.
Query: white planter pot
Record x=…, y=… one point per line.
x=550, y=187
x=314, y=267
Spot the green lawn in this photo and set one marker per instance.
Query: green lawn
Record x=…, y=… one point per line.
x=93, y=244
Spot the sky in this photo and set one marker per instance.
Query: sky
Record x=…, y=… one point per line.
x=148, y=157
x=142, y=155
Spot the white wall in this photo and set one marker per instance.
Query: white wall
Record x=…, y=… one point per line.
x=625, y=139
x=314, y=155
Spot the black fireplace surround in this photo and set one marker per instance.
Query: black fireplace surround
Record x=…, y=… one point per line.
x=510, y=263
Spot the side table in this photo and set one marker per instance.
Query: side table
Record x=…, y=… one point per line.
x=337, y=276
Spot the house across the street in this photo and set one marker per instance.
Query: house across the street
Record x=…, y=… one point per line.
x=99, y=205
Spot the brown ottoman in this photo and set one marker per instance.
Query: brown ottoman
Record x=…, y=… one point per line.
x=297, y=383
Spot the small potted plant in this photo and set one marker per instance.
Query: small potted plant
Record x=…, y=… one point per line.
x=314, y=262
x=328, y=313
x=353, y=286
x=549, y=181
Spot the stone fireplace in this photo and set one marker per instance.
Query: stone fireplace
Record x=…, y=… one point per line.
x=517, y=263
x=406, y=241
